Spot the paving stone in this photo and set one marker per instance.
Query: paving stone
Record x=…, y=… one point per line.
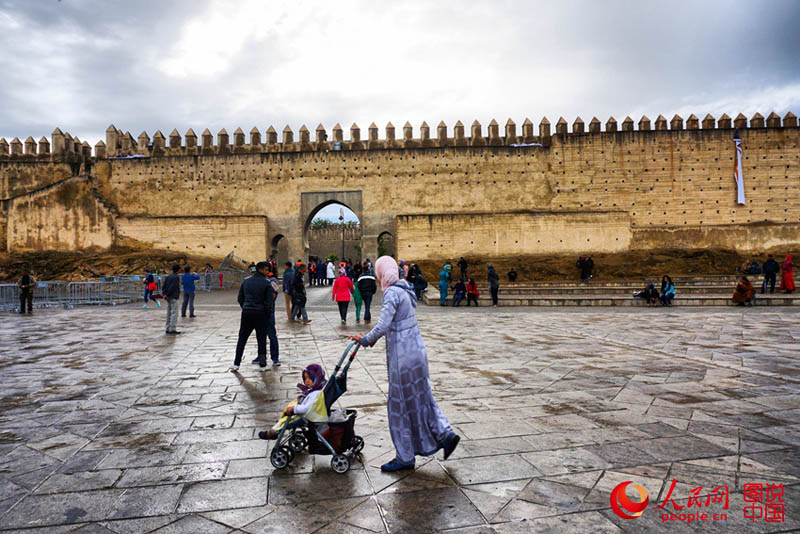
x=224, y=494
x=428, y=511
x=317, y=486
x=192, y=524
x=79, y=481
x=490, y=468
x=144, y=476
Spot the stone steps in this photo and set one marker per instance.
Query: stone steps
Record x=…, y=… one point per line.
x=589, y=290
x=714, y=280
x=776, y=299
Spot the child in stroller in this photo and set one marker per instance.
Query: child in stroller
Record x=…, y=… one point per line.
x=305, y=423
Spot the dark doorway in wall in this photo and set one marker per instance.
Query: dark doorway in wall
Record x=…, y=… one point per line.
x=280, y=250
x=386, y=245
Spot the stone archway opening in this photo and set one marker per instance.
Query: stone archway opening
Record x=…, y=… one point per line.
x=333, y=228
x=280, y=250
x=387, y=245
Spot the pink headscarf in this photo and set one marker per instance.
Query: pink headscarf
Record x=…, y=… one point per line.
x=387, y=271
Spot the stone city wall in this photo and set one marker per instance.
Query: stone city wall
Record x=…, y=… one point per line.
x=325, y=241
x=65, y=216
x=671, y=183
x=246, y=237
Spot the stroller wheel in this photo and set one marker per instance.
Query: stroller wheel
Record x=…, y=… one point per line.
x=358, y=443
x=298, y=442
x=281, y=457
x=340, y=463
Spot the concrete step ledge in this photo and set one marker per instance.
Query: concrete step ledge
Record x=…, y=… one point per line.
x=620, y=300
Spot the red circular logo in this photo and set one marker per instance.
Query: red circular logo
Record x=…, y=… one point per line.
x=623, y=506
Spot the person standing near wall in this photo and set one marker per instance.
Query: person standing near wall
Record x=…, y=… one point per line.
x=257, y=300
x=494, y=285
x=462, y=266
x=367, y=286
x=171, y=289
x=187, y=281
x=288, y=275
x=787, y=275
x=207, y=276
x=444, y=283
x=26, y=284
x=312, y=273
x=771, y=269
x=149, y=282
x=330, y=271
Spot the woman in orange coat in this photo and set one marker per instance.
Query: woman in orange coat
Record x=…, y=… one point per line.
x=787, y=276
x=342, y=288
x=744, y=292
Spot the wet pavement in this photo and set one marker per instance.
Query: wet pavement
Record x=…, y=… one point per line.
x=108, y=425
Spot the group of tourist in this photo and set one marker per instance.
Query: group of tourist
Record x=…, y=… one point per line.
x=745, y=293
x=653, y=297
x=354, y=282
x=465, y=287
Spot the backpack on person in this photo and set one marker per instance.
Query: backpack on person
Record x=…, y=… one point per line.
x=276, y=288
x=421, y=282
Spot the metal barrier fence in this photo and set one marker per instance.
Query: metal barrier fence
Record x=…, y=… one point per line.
x=107, y=290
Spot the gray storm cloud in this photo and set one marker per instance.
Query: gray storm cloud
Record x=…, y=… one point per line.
x=154, y=65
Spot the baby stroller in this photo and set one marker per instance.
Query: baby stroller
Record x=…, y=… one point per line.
x=299, y=434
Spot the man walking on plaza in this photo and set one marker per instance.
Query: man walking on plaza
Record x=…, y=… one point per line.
x=257, y=299
x=288, y=275
x=26, y=284
x=367, y=286
x=299, y=294
x=171, y=289
x=187, y=280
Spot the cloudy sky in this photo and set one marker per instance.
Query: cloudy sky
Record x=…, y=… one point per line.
x=149, y=65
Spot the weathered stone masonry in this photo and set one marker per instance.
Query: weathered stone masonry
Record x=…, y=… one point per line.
x=588, y=189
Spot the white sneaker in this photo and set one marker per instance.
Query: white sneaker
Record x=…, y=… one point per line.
x=233, y=368
x=263, y=369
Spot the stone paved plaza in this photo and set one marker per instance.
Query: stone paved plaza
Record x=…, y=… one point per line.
x=108, y=425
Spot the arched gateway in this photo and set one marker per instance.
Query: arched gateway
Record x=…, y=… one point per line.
x=294, y=231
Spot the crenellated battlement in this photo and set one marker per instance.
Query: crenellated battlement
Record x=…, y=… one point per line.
x=64, y=147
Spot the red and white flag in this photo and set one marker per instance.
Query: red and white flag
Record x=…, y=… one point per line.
x=737, y=169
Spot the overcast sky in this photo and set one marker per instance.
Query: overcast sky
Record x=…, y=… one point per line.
x=150, y=65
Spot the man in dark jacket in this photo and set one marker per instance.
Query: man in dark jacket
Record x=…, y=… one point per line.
x=26, y=284
x=288, y=275
x=771, y=268
x=171, y=289
x=299, y=293
x=256, y=297
x=367, y=287
x=494, y=284
x=462, y=266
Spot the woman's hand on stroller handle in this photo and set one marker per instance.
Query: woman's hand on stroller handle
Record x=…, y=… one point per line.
x=356, y=337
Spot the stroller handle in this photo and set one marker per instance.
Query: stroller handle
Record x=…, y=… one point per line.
x=344, y=355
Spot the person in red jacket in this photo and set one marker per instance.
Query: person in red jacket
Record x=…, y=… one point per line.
x=472, y=292
x=342, y=288
x=787, y=275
